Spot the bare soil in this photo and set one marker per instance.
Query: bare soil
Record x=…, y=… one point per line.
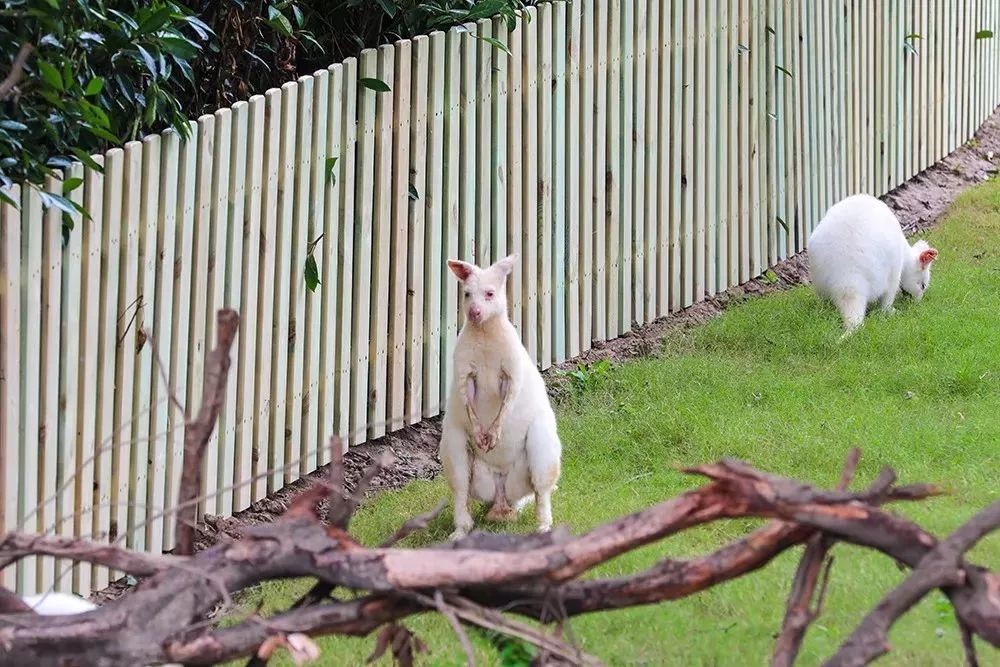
x=918, y=204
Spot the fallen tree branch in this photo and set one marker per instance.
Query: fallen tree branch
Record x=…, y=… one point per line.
x=481, y=578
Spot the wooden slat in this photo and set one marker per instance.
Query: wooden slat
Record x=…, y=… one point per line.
x=483, y=132
x=363, y=241
x=733, y=65
x=559, y=265
x=698, y=175
x=601, y=183
x=613, y=181
x=381, y=251
x=145, y=443
x=32, y=227
x=264, y=456
x=529, y=227
x=281, y=455
x=436, y=211
x=249, y=318
x=635, y=143
x=346, y=171
x=230, y=441
x=10, y=364
x=298, y=337
x=322, y=306
x=499, y=170
x=626, y=158
x=545, y=205
x=468, y=87
x=586, y=56
x=676, y=170
x=48, y=342
x=710, y=184
x=452, y=198
x=688, y=90
x=163, y=328
x=515, y=152
x=72, y=365
x=653, y=196
x=309, y=330
x=108, y=280
x=215, y=459
x=401, y=179
x=416, y=215
x=573, y=171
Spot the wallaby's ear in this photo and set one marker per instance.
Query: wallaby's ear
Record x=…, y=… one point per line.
x=461, y=269
x=506, y=265
x=926, y=257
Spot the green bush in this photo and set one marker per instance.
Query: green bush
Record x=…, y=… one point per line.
x=91, y=74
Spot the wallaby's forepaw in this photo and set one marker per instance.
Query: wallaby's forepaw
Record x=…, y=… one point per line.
x=487, y=439
x=501, y=514
x=458, y=534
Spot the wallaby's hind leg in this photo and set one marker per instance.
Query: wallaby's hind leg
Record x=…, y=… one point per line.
x=544, y=450
x=457, y=466
x=852, y=309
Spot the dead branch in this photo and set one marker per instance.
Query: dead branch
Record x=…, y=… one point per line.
x=419, y=522
x=198, y=432
x=16, y=72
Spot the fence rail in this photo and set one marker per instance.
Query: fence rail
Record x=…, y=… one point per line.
x=639, y=155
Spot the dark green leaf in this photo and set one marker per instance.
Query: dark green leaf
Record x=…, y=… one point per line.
x=155, y=20
x=7, y=199
x=984, y=34
x=50, y=200
x=51, y=75
x=914, y=35
x=278, y=22
x=148, y=59
x=377, y=85
x=94, y=86
x=71, y=184
x=92, y=37
x=13, y=125
x=312, y=274
x=414, y=195
x=784, y=71
x=495, y=43
x=784, y=225
x=300, y=20
x=331, y=163
x=388, y=6
x=86, y=159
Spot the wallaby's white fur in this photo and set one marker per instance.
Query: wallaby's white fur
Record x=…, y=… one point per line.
x=58, y=604
x=858, y=255
x=512, y=451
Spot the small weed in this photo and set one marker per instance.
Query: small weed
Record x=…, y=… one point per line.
x=513, y=652
x=586, y=376
x=972, y=143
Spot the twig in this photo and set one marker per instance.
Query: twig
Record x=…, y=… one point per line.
x=798, y=613
x=163, y=373
x=16, y=72
x=198, y=432
x=452, y=617
x=16, y=546
x=411, y=526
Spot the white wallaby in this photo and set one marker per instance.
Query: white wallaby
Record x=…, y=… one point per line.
x=858, y=255
x=499, y=441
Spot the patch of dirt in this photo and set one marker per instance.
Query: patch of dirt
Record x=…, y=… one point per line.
x=918, y=203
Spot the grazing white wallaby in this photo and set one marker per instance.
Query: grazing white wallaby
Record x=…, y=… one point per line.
x=58, y=604
x=499, y=441
x=858, y=254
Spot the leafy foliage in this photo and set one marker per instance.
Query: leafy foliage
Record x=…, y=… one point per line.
x=97, y=73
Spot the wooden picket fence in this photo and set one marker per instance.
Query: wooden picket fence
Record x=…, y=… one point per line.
x=639, y=155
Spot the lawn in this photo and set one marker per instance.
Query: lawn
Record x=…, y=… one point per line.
x=768, y=382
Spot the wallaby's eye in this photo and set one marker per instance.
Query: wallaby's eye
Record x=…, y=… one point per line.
x=489, y=294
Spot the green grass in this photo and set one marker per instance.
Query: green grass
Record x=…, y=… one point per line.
x=769, y=383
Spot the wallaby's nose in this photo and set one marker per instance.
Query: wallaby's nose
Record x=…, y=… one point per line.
x=475, y=314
